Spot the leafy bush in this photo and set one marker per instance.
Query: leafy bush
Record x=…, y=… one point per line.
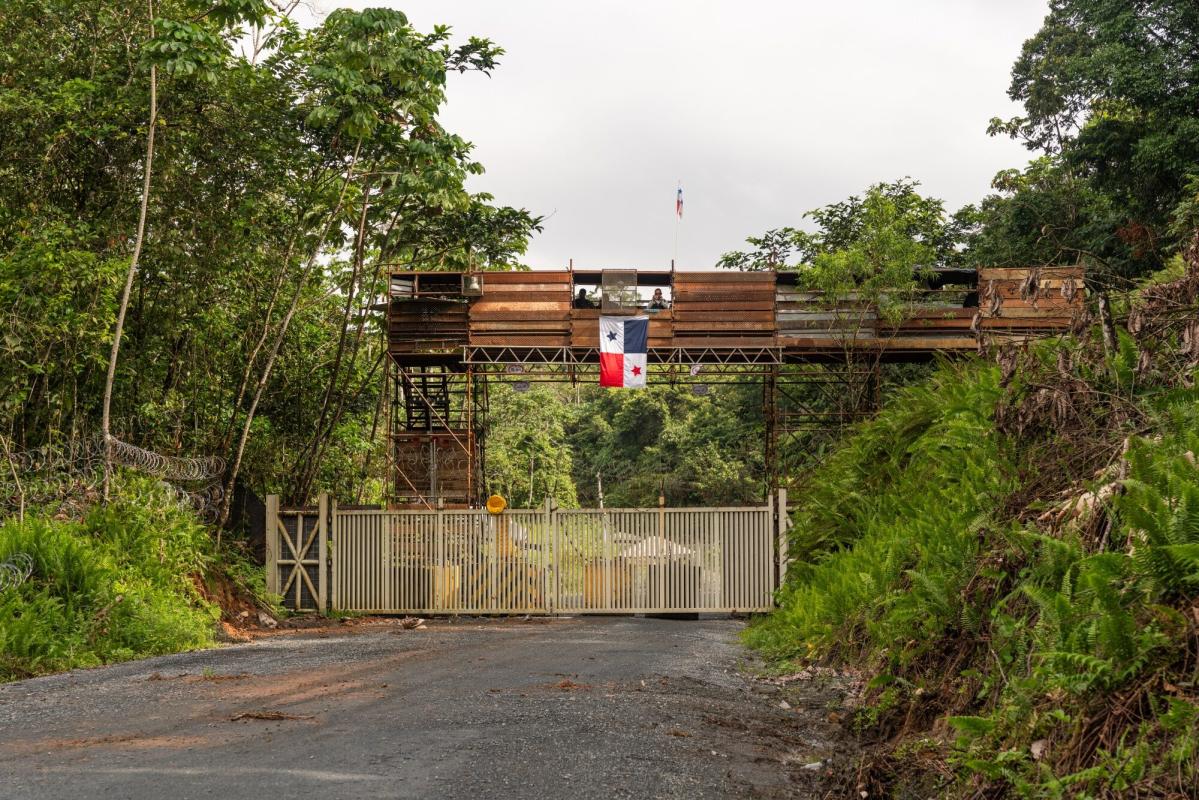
x=1108, y=686
x=1062, y=648
x=890, y=523
x=837, y=506
x=117, y=585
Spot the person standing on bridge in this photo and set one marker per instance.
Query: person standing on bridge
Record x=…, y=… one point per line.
x=582, y=301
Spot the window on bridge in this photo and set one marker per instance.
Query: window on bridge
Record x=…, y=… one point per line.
x=621, y=291
x=585, y=295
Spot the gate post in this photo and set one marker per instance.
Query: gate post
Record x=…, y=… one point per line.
x=329, y=555
x=439, y=580
x=550, y=523
x=661, y=557
x=608, y=566
x=784, y=522
x=271, y=544
x=554, y=559
x=771, y=544
x=322, y=552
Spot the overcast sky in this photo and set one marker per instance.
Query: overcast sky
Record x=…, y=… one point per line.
x=762, y=110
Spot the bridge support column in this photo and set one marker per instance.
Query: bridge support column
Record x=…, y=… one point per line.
x=436, y=420
x=807, y=406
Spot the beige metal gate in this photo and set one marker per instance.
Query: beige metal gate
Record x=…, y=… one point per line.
x=296, y=554
x=441, y=562
x=663, y=560
x=556, y=561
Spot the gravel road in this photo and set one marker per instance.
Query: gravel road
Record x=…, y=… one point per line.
x=557, y=708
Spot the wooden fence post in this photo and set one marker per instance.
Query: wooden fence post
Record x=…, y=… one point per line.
x=323, y=507
x=784, y=522
x=271, y=543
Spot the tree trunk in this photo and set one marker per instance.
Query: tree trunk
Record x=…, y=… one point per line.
x=106, y=416
x=253, y=357
x=308, y=453
x=321, y=437
x=366, y=461
x=1110, y=343
x=278, y=344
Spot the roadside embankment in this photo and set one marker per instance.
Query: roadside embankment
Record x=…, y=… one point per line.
x=135, y=578
x=1010, y=555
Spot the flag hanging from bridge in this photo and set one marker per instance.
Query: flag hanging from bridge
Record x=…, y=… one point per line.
x=623, y=345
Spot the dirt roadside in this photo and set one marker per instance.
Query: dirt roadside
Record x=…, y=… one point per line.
x=580, y=708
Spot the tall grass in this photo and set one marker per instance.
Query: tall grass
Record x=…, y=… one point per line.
x=118, y=584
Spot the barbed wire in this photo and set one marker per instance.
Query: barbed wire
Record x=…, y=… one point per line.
x=88, y=455
x=15, y=571
x=206, y=501
x=167, y=468
x=194, y=482
x=71, y=457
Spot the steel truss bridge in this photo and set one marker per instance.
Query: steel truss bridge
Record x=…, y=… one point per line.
x=817, y=361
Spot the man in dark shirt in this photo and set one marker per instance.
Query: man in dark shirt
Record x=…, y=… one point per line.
x=581, y=300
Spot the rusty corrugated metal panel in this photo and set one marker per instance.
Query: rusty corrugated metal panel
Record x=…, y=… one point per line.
x=728, y=310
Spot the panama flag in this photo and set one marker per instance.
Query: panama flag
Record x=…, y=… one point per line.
x=678, y=202
x=623, y=344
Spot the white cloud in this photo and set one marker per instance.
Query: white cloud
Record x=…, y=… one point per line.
x=762, y=109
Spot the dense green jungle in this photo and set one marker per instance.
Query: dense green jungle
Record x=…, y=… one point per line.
x=200, y=203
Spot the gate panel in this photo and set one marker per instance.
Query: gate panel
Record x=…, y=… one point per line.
x=296, y=554
x=664, y=560
x=614, y=561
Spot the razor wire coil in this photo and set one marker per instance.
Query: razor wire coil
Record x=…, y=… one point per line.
x=194, y=482
x=15, y=571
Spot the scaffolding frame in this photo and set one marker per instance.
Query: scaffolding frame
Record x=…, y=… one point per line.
x=436, y=430
x=808, y=405
x=441, y=405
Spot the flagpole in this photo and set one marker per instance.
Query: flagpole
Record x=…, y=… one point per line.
x=678, y=218
x=675, y=259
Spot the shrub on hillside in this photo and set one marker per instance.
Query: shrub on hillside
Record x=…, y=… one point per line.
x=1015, y=565
x=116, y=585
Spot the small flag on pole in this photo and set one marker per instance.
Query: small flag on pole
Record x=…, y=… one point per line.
x=623, y=345
x=678, y=202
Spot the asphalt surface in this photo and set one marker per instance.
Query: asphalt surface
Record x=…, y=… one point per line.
x=572, y=708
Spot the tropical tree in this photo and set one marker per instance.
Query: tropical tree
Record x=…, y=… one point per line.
x=529, y=457
x=841, y=225
x=1111, y=99
x=290, y=170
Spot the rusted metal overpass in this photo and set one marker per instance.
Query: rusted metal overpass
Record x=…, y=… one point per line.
x=450, y=333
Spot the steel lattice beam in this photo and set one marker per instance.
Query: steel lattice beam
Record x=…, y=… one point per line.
x=807, y=405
